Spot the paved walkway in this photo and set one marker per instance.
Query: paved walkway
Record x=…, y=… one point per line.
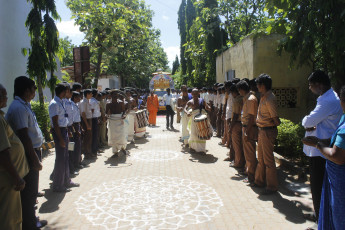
x=161, y=187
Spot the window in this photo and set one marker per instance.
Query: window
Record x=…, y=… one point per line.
x=230, y=75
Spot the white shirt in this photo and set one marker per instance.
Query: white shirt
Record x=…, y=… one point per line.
x=206, y=98
x=20, y=115
x=167, y=99
x=70, y=110
x=76, y=113
x=85, y=107
x=58, y=108
x=211, y=98
x=96, y=108
x=228, y=112
x=325, y=117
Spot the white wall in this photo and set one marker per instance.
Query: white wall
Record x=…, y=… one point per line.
x=13, y=37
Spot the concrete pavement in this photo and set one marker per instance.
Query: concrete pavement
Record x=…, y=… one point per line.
x=160, y=186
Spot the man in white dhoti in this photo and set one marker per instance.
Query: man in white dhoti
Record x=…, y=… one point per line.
x=181, y=103
x=131, y=115
x=197, y=107
x=117, y=124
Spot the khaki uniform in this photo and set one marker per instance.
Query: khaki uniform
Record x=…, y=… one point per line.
x=250, y=107
x=266, y=172
x=236, y=134
x=10, y=201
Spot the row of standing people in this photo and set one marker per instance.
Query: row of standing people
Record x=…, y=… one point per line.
x=250, y=120
x=242, y=121
x=20, y=158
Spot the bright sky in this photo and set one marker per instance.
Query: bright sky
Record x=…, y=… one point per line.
x=165, y=19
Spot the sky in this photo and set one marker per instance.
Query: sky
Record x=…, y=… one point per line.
x=164, y=19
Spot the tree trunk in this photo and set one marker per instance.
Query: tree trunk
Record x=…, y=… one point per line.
x=40, y=91
x=41, y=100
x=98, y=67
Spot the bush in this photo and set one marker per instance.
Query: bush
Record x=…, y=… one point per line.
x=43, y=120
x=289, y=138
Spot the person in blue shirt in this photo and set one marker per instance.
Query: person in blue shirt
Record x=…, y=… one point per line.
x=24, y=123
x=321, y=122
x=332, y=207
x=59, y=121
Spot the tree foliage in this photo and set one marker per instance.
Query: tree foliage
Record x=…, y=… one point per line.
x=315, y=33
x=176, y=65
x=242, y=18
x=44, y=45
x=66, y=51
x=182, y=28
x=121, y=38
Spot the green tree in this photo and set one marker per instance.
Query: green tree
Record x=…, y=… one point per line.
x=189, y=19
x=183, y=33
x=315, y=33
x=44, y=45
x=242, y=18
x=176, y=65
x=121, y=38
x=66, y=51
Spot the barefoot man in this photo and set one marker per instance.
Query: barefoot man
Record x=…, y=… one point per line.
x=198, y=107
x=181, y=103
x=117, y=135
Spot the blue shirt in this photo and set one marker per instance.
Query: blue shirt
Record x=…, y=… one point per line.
x=70, y=110
x=76, y=113
x=325, y=117
x=338, y=137
x=20, y=116
x=57, y=108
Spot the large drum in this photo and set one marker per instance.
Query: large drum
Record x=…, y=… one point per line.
x=141, y=118
x=203, y=127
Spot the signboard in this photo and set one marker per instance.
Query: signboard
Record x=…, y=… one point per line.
x=161, y=81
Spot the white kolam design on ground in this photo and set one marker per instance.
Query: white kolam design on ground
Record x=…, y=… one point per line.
x=155, y=155
x=154, y=202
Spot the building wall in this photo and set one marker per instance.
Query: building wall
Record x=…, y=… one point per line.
x=258, y=54
x=112, y=82
x=13, y=37
x=238, y=58
x=266, y=60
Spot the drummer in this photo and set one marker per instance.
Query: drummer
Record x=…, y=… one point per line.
x=117, y=123
x=139, y=105
x=181, y=103
x=196, y=106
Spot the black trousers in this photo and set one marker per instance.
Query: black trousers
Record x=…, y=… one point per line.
x=29, y=196
x=170, y=114
x=95, y=135
x=317, y=172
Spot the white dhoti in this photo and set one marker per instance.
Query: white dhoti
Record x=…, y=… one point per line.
x=131, y=116
x=117, y=132
x=194, y=142
x=184, y=130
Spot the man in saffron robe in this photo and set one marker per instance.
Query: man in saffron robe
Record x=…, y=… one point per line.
x=152, y=107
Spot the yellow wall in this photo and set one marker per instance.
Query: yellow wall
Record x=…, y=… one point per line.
x=258, y=54
x=238, y=58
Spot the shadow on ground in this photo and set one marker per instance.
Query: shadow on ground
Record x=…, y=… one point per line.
x=203, y=158
x=117, y=161
x=52, y=202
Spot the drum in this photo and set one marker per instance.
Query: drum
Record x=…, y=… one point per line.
x=203, y=126
x=141, y=118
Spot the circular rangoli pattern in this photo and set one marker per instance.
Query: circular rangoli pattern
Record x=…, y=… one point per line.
x=155, y=155
x=149, y=203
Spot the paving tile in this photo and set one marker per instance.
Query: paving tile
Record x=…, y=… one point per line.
x=160, y=187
